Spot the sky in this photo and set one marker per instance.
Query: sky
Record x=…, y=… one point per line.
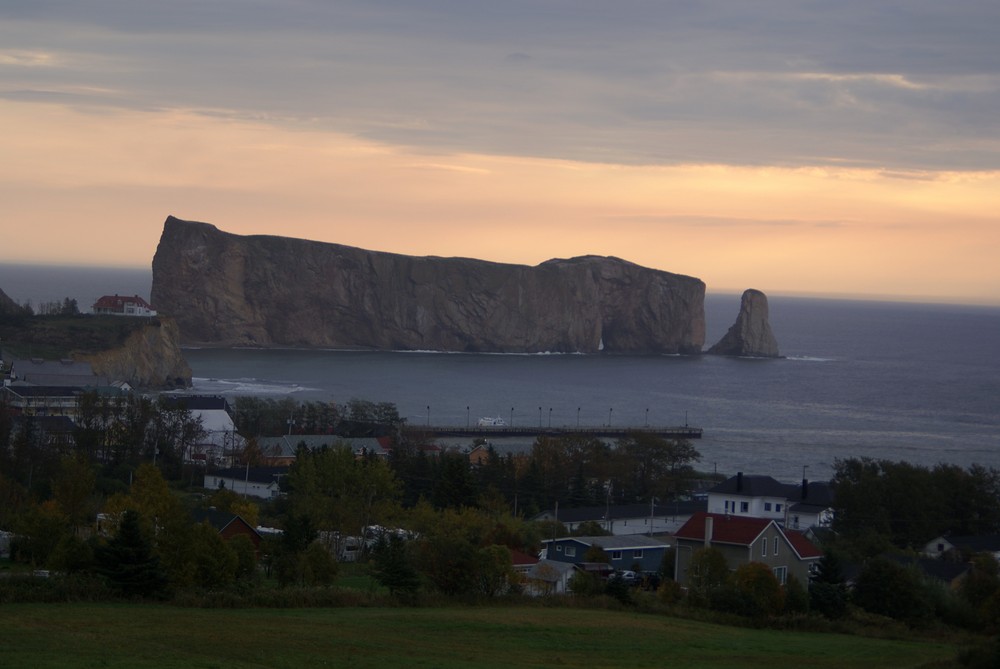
x=844, y=148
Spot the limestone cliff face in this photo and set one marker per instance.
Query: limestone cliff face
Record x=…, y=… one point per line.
x=150, y=358
x=231, y=290
x=751, y=334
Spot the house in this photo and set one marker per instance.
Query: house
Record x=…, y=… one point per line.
x=54, y=373
x=743, y=539
x=522, y=562
x=229, y=525
x=280, y=451
x=969, y=544
x=624, y=519
x=52, y=400
x=792, y=505
x=120, y=305
x=549, y=577
x=628, y=552
x=947, y=573
x=54, y=432
x=220, y=440
x=258, y=482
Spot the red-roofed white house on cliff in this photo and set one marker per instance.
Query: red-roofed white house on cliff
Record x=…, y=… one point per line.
x=123, y=305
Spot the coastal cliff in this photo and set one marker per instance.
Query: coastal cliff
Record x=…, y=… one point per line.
x=231, y=290
x=150, y=357
x=751, y=334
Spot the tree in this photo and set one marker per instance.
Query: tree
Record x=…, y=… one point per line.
x=128, y=561
x=759, y=589
x=656, y=466
x=393, y=567
x=890, y=589
x=827, y=591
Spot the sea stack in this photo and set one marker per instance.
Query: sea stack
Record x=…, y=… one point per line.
x=750, y=335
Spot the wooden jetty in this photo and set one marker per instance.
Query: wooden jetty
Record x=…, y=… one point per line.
x=497, y=431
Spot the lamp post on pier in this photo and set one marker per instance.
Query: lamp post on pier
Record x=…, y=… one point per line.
x=512, y=416
x=428, y=415
x=539, y=418
x=609, y=416
x=466, y=418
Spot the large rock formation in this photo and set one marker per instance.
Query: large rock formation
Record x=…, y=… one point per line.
x=751, y=334
x=150, y=357
x=231, y=290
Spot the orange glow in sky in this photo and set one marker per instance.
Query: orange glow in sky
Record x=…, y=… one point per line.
x=94, y=188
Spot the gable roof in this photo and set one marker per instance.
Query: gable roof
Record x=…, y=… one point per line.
x=818, y=493
x=805, y=549
x=118, y=302
x=743, y=531
x=195, y=402
x=220, y=520
x=739, y=530
x=975, y=543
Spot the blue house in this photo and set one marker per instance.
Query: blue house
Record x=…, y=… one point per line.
x=633, y=551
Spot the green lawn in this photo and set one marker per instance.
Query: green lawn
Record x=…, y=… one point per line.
x=136, y=636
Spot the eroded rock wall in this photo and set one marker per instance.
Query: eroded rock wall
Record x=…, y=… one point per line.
x=751, y=334
x=232, y=290
x=150, y=358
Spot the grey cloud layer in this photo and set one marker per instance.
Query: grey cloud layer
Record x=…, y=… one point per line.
x=906, y=84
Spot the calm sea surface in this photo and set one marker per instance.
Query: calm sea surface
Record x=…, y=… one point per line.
x=910, y=382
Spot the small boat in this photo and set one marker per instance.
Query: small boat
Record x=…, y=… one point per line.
x=491, y=422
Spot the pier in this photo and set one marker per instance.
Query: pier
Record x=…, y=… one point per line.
x=496, y=431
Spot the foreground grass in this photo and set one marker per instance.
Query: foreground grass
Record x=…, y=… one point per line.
x=136, y=636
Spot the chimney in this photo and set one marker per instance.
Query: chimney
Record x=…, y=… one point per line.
x=708, y=530
x=739, y=481
x=805, y=488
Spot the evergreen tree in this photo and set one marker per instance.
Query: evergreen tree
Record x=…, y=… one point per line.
x=129, y=564
x=393, y=567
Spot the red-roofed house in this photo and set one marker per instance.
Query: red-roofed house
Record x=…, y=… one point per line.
x=121, y=305
x=741, y=540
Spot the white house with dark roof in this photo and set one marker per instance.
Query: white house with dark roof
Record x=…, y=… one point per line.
x=797, y=506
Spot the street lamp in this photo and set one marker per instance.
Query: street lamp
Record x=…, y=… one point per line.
x=609, y=416
x=578, y=418
x=428, y=415
x=466, y=418
x=539, y=418
x=804, y=468
x=647, y=416
x=550, y=416
x=512, y=416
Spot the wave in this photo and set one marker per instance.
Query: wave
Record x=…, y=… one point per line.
x=809, y=358
x=247, y=386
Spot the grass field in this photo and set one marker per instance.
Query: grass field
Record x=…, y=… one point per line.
x=138, y=636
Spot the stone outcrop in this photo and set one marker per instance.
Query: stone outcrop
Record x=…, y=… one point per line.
x=751, y=334
x=150, y=357
x=231, y=290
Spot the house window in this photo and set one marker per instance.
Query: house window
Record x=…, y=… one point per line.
x=616, y=555
x=775, y=551
x=763, y=548
x=767, y=506
x=558, y=548
x=744, y=507
x=727, y=506
x=777, y=508
x=781, y=573
x=571, y=551
x=637, y=555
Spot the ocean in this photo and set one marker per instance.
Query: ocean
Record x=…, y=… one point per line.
x=898, y=381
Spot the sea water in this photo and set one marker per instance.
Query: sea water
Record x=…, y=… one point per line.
x=912, y=382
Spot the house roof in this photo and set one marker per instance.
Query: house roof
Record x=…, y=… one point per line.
x=624, y=511
x=195, y=402
x=974, y=543
x=550, y=570
x=48, y=424
x=118, y=302
x=800, y=544
x=743, y=531
x=617, y=542
x=220, y=520
x=819, y=493
x=941, y=570
x=519, y=558
x=740, y=530
x=255, y=474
